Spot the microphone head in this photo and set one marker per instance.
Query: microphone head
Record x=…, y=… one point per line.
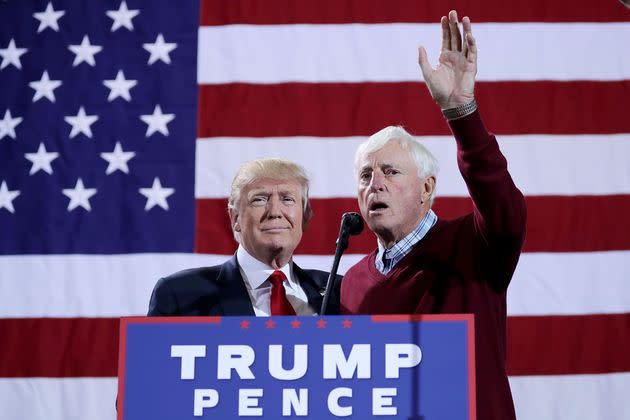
x=353, y=222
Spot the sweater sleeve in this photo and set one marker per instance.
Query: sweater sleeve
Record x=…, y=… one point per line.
x=499, y=207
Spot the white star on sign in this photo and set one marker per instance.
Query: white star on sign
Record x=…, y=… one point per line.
x=11, y=55
x=157, y=121
x=41, y=160
x=156, y=195
x=8, y=124
x=119, y=87
x=84, y=52
x=44, y=88
x=48, y=18
x=7, y=197
x=117, y=159
x=159, y=50
x=81, y=123
x=122, y=16
x=79, y=196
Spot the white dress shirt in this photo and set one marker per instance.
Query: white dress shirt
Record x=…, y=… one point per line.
x=256, y=273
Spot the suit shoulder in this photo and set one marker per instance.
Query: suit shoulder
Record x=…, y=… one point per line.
x=195, y=272
x=180, y=292
x=190, y=276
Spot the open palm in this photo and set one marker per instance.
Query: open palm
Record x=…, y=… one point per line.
x=452, y=82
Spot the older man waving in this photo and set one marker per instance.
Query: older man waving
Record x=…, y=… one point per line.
x=424, y=264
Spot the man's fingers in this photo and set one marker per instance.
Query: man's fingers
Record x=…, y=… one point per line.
x=466, y=25
x=456, y=37
x=470, y=50
x=425, y=66
x=471, y=56
x=446, y=34
x=467, y=30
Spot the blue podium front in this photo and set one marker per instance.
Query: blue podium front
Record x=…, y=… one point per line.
x=355, y=367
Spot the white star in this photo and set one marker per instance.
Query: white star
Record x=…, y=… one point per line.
x=48, y=18
x=117, y=159
x=79, y=196
x=156, y=195
x=84, y=52
x=81, y=123
x=44, y=88
x=7, y=197
x=41, y=159
x=8, y=124
x=11, y=55
x=159, y=50
x=119, y=87
x=122, y=16
x=157, y=121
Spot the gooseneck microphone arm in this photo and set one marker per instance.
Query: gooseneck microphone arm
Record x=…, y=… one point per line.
x=351, y=224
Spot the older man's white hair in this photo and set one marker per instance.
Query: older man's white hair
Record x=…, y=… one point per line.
x=426, y=163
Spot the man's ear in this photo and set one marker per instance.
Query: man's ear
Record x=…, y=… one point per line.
x=428, y=187
x=236, y=227
x=307, y=214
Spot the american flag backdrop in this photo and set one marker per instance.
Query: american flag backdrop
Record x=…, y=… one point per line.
x=122, y=124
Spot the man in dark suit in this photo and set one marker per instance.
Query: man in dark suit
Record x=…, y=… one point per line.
x=269, y=209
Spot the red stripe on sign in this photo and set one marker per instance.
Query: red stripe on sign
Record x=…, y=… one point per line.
x=351, y=109
x=554, y=224
x=545, y=345
x=562, y=345
x=268, y=12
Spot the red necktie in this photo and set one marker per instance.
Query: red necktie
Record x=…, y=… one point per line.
x=279, y=303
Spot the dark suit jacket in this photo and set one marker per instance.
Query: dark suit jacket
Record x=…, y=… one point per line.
x=220, y=291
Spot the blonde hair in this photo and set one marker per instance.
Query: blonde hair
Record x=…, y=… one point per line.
x=272, y=168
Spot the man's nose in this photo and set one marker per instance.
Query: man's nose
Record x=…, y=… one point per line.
x=274, y=207
x=377, y=181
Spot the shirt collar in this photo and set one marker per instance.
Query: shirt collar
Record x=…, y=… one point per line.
x=256, y=272
x=403, y=246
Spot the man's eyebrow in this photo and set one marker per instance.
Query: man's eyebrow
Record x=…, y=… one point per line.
x=380, y=166
x=287, y=192
x=264, y=191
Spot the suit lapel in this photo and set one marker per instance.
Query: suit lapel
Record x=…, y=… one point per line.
x=314, y=290
x=234, y=300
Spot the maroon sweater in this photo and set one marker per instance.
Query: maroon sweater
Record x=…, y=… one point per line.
x=460, y=266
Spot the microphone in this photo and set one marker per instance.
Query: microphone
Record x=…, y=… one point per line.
x=351, y=224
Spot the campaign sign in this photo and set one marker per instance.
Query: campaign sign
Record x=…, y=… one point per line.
x=356, y=367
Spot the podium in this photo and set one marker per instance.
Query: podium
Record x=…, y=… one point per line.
x=355, y=367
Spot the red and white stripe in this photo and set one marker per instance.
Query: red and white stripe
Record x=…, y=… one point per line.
x=356, y=53
x=308, y=81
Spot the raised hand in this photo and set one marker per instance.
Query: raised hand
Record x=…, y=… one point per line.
x=452, y=82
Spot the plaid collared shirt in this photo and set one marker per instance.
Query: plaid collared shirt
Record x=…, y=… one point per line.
x=386, y=259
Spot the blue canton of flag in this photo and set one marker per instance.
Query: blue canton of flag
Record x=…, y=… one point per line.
x=98, y=106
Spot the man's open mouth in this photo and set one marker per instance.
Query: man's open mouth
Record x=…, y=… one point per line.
x=377, y=206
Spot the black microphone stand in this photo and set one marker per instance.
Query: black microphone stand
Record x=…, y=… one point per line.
x=351, y=224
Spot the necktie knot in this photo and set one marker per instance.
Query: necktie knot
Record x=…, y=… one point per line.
x=279, y=303
x=277, y=278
